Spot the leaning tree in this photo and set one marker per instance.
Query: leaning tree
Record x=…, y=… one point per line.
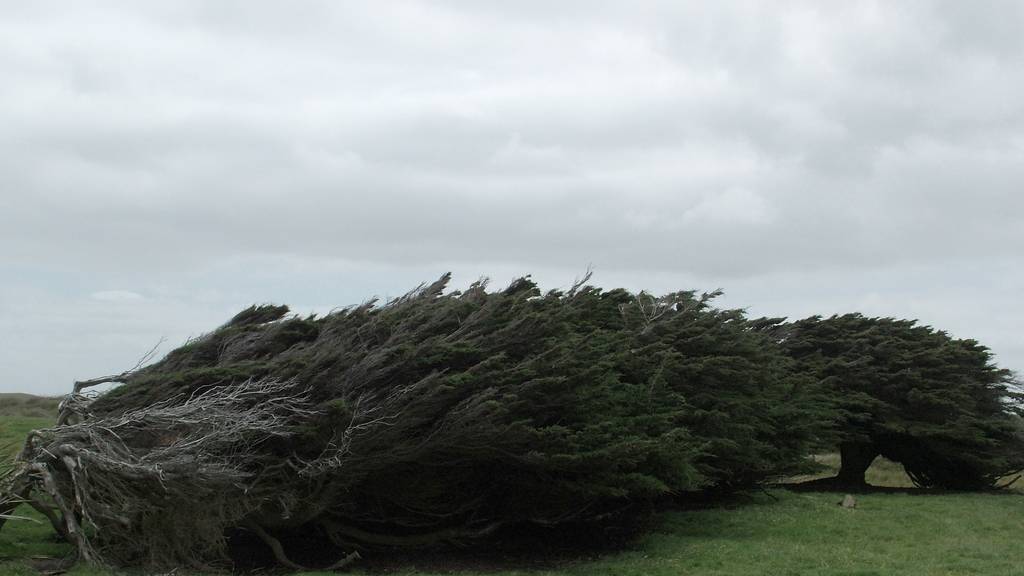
x=438, y=417
x=913, y=394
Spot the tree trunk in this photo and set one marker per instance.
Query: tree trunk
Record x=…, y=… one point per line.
x=13, y=495
x=856, y=458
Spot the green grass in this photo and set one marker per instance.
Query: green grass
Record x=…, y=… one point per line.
x=882, y=472
x=810, y=534
x=797, y=534
x=782, y=533
x=14, y=429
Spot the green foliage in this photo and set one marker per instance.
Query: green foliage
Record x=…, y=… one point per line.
x=915, y=395
x=258, y=314
x=451, y=413
x=754, y=414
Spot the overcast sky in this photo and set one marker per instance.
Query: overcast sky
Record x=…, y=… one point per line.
x=164, y=164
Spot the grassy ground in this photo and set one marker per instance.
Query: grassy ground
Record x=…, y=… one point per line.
x=780, y=533
x=13, y=431
x=881, y=473
x=25, y=405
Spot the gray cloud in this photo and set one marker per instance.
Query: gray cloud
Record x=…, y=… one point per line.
x=806, y=157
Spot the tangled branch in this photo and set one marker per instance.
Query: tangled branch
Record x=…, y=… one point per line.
x=161, y=485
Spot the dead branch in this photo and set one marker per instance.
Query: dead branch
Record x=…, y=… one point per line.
x=164, y=483
x=75, y=402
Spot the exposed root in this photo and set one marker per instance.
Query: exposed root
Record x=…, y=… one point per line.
x=52, y=514
x=73, y=530
x=336, y=530
x=344, y=562
x=275, y=547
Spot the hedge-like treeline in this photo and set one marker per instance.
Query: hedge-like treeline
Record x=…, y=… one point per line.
x=447, y=417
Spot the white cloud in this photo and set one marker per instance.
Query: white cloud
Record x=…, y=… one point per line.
x=212, y=155
x=116, y=296
x=731, y=206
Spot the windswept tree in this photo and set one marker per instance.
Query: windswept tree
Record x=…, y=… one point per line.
x=436, y=417
x=913, y=394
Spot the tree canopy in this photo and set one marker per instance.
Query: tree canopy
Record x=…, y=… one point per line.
x=451, y=416
x=916, y=395
x=435, y=417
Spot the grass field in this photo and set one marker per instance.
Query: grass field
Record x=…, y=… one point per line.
x=779, y=533
x=881, y=473
x=26, y=405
